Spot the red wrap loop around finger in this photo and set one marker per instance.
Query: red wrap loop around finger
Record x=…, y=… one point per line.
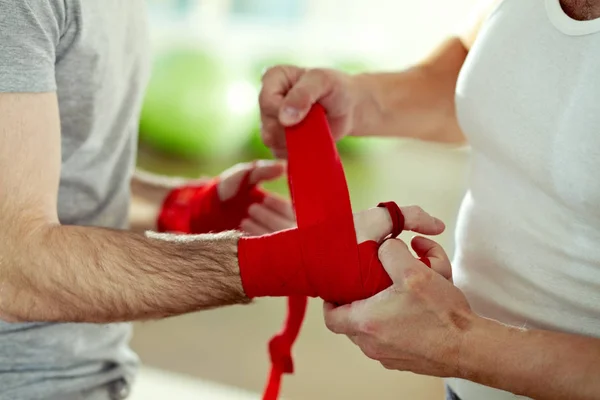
x=396, y=216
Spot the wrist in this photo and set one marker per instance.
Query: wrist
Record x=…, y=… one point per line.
x=271, y=265
x=483, y=349
x=367, y=114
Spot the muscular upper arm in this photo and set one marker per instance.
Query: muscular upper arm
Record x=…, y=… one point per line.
x=30, y=33
x=29, y=157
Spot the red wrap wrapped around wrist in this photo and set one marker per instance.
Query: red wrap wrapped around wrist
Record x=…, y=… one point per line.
x=320, y=258
x=299, y=262
x=198, y=208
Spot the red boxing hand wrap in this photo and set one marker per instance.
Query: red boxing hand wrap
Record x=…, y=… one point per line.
x=321, y=257
x=290, y=263
x=198, y=208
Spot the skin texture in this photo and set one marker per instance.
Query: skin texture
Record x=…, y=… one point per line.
x=423, y=323
x=52, y=272
x=363, y=104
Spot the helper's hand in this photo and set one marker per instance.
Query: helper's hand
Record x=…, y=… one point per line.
x=274, y=213
x=416, y=325
x=289, y=92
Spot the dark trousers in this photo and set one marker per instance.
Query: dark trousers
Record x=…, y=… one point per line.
x=450, y=395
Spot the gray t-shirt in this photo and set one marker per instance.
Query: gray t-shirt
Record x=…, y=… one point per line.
x=94, y=54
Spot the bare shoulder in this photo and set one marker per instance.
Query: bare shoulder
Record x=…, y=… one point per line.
x=469, y=29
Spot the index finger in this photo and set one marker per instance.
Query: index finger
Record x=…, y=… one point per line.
x=435, y=253
x=312, y=86
x=340, y=319
x=417, y=220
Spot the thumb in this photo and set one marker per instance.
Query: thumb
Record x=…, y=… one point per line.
x=396, y=258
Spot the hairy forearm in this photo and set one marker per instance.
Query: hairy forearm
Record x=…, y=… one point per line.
x=81, y=274
x=416, y=103
x=535, y=363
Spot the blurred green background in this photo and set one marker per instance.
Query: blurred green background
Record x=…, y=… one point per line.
x=200, y=117
x=200, y=113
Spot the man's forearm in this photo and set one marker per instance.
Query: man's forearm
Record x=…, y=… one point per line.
x=81, y=274
x=416, y=103
x=539, y=364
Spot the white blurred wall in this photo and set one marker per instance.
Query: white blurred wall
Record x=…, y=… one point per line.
x=391, y=33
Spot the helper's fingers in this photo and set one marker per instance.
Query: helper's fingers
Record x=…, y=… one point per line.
x=279, y=205
x=417, y=220
x=340, y=320
x=273, y=135
x=438, y=259
x=269, y=219
x=372, y=224
x=276, y=82
x=252, y=228
x=311, y=86
x=397, y=260
x=265, y=170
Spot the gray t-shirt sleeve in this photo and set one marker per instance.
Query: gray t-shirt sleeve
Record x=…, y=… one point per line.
x=29, y=34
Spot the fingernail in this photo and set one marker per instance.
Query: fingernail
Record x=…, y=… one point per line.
x=266, y=163
x=289, y=115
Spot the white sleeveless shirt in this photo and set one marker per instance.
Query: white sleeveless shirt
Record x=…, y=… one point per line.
x=528, y=232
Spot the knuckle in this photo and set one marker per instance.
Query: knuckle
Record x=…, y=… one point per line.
x=263, y=98
x=388, y=249
x=419, y=212
x=321, y=73
x=369, y=326
x=371, y=350
x=254, y=210
x=270, y=71
x=416, y=280
x=415, y=210
x=324, y=77
x=299, y=95
x=331, y=325
x=387, y=364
